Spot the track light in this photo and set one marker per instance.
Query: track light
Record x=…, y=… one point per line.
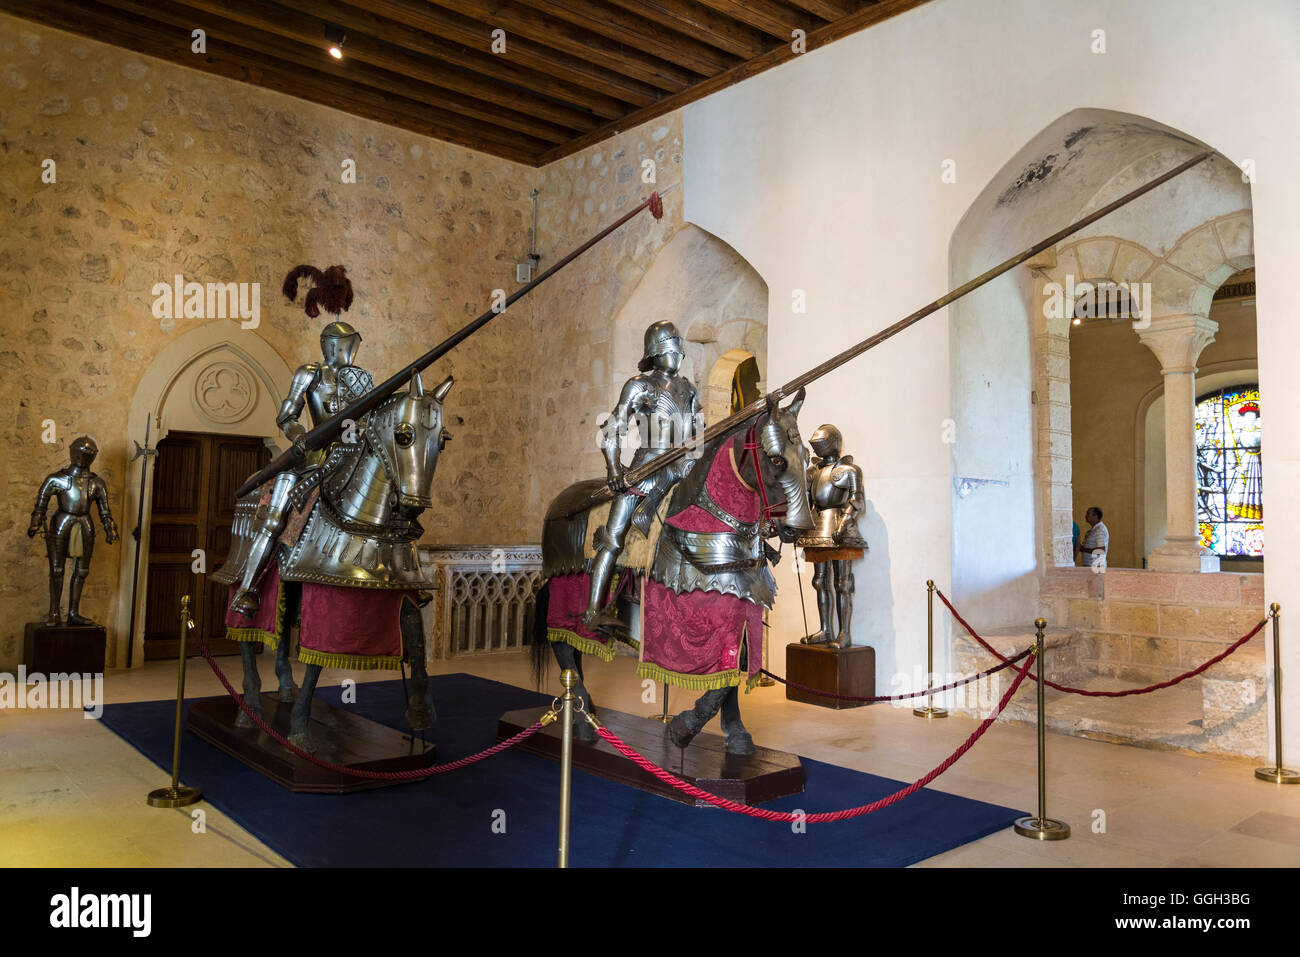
x=335, y=36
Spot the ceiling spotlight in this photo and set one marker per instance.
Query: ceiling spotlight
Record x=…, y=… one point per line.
x=335, y=36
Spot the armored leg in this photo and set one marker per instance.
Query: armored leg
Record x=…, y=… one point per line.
x=844, y=600
x=80, y=571
x=609, y=543
x=55, y=550
x=825, y=588
x=269, y=525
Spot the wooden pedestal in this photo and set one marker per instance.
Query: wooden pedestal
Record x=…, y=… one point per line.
x=764, y=776
x=48, y=649
x=340, y=736
x=839, y=670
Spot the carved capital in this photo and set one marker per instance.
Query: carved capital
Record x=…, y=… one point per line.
x=1178, y=341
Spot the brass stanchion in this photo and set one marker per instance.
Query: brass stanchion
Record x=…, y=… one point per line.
x=1277, y=774
x=1042, y=827
x=176, y=794
x=929, y=711
x=568, y=678
x=664, y=716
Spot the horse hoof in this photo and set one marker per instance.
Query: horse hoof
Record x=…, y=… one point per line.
x=303, y=741
x=584, y=732
x=287, y=694
x=740, y=742
x=243, y=721
x=681, y=732
x=419, y=719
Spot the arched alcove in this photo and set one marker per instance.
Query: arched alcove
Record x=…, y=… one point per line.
x=216, y=378
x=1010, y=353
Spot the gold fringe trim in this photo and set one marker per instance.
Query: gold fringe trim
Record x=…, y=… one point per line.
x=257, y=634
x=330, y=659
x=586, y=645
x=721, y=679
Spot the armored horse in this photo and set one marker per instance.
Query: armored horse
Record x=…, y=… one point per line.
x=690, y=590
x=346, y=565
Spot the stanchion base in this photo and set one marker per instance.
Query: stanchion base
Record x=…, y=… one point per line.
x=1278, y=775
x=180, y=796
x=766, y=682
x=930, y=712
x=661, y=718
x=1042, y=830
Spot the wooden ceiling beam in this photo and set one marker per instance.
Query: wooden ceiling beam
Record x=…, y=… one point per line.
x=292, y=25
x=520, y=20
x=639, y=33
x=828, y=10
x=448, y=25
x=859, y=20
x=772, y=18
x=247, y=66
x=697, y=20
x=364, y=75
x=475, y=58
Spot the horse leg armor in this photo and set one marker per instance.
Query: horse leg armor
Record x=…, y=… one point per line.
x=246, y=601
x=570, y=658
x=419, y=713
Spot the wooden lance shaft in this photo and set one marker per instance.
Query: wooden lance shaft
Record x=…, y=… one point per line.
x=646, y=469
x=323, y=434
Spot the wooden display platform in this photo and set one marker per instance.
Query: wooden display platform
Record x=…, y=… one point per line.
x=849, y=670
x=50, y=649
x=341, y=737
x=761, y=777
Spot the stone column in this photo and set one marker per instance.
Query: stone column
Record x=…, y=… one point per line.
x=1177, y=342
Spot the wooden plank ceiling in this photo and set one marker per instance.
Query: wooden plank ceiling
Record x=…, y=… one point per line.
x=573, y=71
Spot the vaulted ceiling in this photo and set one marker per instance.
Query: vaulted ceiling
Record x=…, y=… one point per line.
x=572, y=72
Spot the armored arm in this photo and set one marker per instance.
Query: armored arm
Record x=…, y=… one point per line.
x=304, y=379
x=615, y=429
x=99, y=494
x=48, y=488
x=851, y=479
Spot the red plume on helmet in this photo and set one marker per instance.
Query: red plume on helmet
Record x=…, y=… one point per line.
x=331, y=290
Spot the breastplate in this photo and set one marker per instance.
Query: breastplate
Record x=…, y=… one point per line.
x=336, y=390
x=664, y=411
x=74, y=494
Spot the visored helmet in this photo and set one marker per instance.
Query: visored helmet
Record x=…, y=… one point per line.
x=339, y=343
x=661, y=337
x=83, y=451
x=826, y=442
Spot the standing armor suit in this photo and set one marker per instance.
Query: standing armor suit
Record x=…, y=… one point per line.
x=667, y=409
x=71, y=533
x=324, y=388
x=835, y=491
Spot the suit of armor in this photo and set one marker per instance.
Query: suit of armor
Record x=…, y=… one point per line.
x=324, y=389
x=666, y=407
x=71, y=533
x=836, y=494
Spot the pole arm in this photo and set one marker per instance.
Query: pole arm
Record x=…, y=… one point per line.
x=324, y=433
x=646, y=469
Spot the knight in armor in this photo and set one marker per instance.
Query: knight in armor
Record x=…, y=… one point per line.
x=666, y=408
x=324, y=389
x=835, y=490
x=71, y=533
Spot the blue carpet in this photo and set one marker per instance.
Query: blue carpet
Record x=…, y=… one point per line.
x=448, y=820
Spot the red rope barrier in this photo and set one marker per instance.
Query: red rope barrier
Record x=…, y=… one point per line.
x=1108, y=694
x=899, y=697
x=353, y=772
x=823, y=817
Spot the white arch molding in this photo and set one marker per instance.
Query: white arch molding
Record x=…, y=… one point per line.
x=166, y=399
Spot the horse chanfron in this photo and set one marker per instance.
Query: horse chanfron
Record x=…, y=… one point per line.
x=408, y=434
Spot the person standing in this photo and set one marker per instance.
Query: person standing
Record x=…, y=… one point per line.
x=1096, y=543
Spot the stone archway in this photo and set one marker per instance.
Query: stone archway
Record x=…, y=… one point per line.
x=1010, y=386
x=216, y=378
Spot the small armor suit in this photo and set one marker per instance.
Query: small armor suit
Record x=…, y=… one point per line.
x=323, y=388
x=667, y=410
x=70, y=533
x=835, y=492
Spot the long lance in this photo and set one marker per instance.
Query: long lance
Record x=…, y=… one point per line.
x=324, y=433
x=144, y=454
x=639, y=474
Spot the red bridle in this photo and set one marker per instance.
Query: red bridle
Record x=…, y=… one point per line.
x=770, y=511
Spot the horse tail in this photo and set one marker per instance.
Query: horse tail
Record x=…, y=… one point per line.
x=541, y=651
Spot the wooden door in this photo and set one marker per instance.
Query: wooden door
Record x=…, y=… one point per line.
x=194, y=482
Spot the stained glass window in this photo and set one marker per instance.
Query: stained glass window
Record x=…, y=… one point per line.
x=1229, y=474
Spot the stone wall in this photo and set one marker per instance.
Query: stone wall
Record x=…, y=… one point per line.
x=161, y=170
